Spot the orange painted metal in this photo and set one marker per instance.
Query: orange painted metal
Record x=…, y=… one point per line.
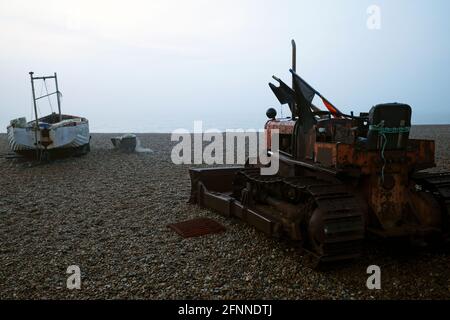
x=284, y=127
x=385, y=184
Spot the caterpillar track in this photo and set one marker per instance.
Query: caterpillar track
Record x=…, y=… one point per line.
x=322, y=216
x=340, y=213
x=438, y=184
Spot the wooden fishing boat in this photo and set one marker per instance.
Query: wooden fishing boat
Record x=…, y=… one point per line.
x=56, y=134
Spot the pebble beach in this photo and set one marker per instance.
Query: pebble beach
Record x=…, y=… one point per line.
x=108, y=212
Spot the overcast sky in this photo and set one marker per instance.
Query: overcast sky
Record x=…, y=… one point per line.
x=158, y=65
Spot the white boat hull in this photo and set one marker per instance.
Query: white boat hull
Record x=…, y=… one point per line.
x=54, y=138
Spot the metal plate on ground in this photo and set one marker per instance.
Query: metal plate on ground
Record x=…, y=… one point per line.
x=197, y=227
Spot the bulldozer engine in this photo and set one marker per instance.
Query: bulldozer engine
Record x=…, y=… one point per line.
x=341, y=177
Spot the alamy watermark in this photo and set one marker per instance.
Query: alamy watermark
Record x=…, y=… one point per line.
x=374, y=18
x=232, y=147
x=74, y=280
x=374, y=280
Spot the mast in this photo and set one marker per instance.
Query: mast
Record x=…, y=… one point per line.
x=35, y=110
x=57, y=98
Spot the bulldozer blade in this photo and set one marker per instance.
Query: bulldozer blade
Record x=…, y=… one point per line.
x=212, y=188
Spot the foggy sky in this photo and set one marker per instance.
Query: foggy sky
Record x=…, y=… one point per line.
x=158, y=65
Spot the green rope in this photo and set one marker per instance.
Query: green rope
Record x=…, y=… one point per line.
x=382, y=131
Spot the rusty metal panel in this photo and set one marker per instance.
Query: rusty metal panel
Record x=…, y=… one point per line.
x=218, y=202
x=197, y=227
x=284, y=126
x=258, y=221
x=325, y=153
x=421, y=152
x=388, y=204
x=213, y=179
x=237, y=210
x=344, y=154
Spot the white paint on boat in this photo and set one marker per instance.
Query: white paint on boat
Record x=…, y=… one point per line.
x=69, y=133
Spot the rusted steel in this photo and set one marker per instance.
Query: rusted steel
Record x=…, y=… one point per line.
x=338, y=216
x=437, y=185
x=340, y=178
x=284, y=127
x=197, y=227
x=419, y=155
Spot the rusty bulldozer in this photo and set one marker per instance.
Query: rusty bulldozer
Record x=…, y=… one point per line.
x=341, y=178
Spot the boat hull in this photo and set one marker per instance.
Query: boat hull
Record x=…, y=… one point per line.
x=58, y=140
